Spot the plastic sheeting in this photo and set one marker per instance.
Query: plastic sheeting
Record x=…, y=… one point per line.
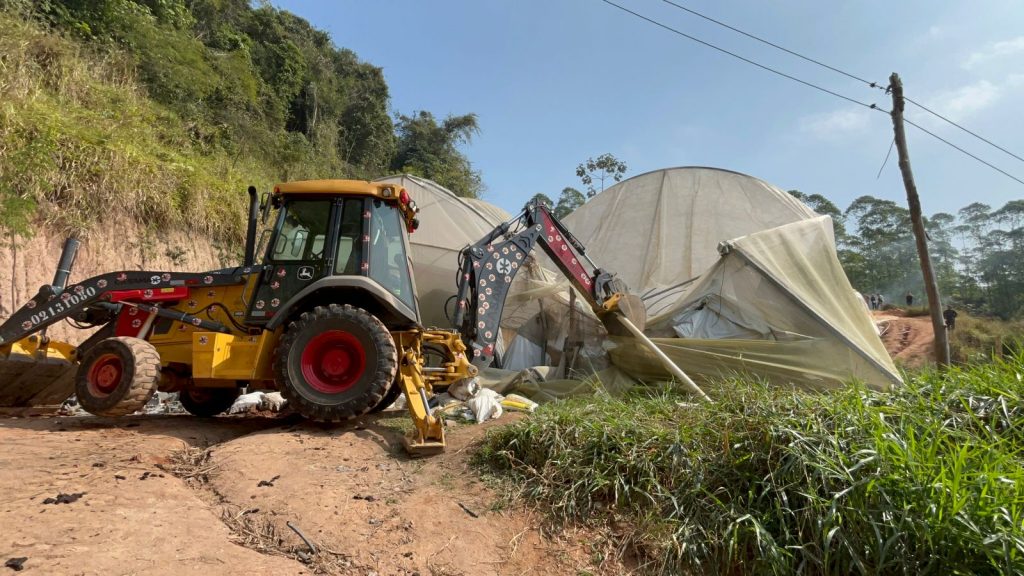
x=777, y=304
x=774, y=302
x=661, y=229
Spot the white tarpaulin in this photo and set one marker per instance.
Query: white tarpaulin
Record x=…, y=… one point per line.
x=660, y=230
x=776, y=303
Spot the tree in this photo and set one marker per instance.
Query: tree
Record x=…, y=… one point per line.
x=430, y=149
x=604, y=167
x=825, y=207
x=884, y=240
x=569, y=200
x=542, y=198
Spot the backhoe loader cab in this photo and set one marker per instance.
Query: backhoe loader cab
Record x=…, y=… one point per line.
x=341, y=240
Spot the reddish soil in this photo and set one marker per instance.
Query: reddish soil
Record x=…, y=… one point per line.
x=909, y=340
x=350, y=489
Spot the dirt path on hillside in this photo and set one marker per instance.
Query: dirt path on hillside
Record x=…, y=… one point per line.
x=153, y=501
x=909, y=340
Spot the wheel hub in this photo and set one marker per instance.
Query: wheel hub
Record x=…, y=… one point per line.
x=333, y=361
x=105, y=375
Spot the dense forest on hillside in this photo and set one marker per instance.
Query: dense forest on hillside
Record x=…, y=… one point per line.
x=976, y=252
x=164, y=110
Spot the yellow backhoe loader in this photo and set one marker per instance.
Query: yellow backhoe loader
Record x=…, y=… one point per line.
x=330, y=317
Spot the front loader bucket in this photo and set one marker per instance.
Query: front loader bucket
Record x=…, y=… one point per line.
x=36, y=377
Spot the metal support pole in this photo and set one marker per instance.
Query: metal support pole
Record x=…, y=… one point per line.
x=665, y=360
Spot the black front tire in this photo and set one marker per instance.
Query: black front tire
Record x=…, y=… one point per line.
x=335, y=362
x=207, y=402
x=117, y=376
x=389, y=397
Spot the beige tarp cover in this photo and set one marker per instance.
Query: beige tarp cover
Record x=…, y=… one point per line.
x=661, y=229
x=776, y=303
x=785, y=291
x=447, y=225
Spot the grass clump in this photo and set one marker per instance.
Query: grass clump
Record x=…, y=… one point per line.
x=927, y=479
x=977, y=338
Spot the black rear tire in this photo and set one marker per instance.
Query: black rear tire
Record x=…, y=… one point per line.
x=207, y=402
x=335, y=363
x=117, y=376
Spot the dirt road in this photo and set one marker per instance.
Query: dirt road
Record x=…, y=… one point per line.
x=154, y=501
x=909, y=340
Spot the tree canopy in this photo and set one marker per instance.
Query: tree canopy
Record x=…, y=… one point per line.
x=264, y=83
x=431, y=149
x=595, y=171
x=975, y=253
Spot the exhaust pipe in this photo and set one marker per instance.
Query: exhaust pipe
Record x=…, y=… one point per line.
x=66, y=263
x=250, y=233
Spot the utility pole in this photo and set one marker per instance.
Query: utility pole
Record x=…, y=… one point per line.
x=931, y=286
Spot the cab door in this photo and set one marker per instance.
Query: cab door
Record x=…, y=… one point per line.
x=301, y=251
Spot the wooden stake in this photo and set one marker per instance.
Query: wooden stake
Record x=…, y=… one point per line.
x=931, y=286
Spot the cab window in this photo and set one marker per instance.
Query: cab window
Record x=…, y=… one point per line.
x=389, y=265
x=350, y=238
x=302, y=232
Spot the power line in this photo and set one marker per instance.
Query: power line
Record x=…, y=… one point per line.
x=737, y=56
x=947, y=142
x=837, y=70
x=773, y=45
x=978, y=136
x=808, y=84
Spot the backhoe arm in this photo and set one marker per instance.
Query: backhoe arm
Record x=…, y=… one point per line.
x=488, y=267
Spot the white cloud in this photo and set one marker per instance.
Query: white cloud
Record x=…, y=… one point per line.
x=836, y=124
x=995, y=50
x=966, y=100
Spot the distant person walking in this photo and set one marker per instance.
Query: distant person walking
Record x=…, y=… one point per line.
x=881, y=302
x=910, y=299
x=874, y=302
x=949, y=315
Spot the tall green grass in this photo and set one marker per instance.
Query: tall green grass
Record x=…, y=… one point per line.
x=977, y=338
x=925, y=480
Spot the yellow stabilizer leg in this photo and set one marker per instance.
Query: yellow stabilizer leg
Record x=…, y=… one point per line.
x=428, y=435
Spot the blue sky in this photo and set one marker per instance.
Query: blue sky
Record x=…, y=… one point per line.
x=557, y=81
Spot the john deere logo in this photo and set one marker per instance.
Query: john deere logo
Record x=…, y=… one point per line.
x=504, y=266
x=305, y=273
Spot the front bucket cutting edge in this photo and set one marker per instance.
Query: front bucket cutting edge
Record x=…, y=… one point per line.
x=33, y=379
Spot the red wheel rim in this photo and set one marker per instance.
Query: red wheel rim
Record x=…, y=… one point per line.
x=105, y=375
x=333, y=361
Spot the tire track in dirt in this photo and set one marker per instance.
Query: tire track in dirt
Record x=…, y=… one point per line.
x=909, y=340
